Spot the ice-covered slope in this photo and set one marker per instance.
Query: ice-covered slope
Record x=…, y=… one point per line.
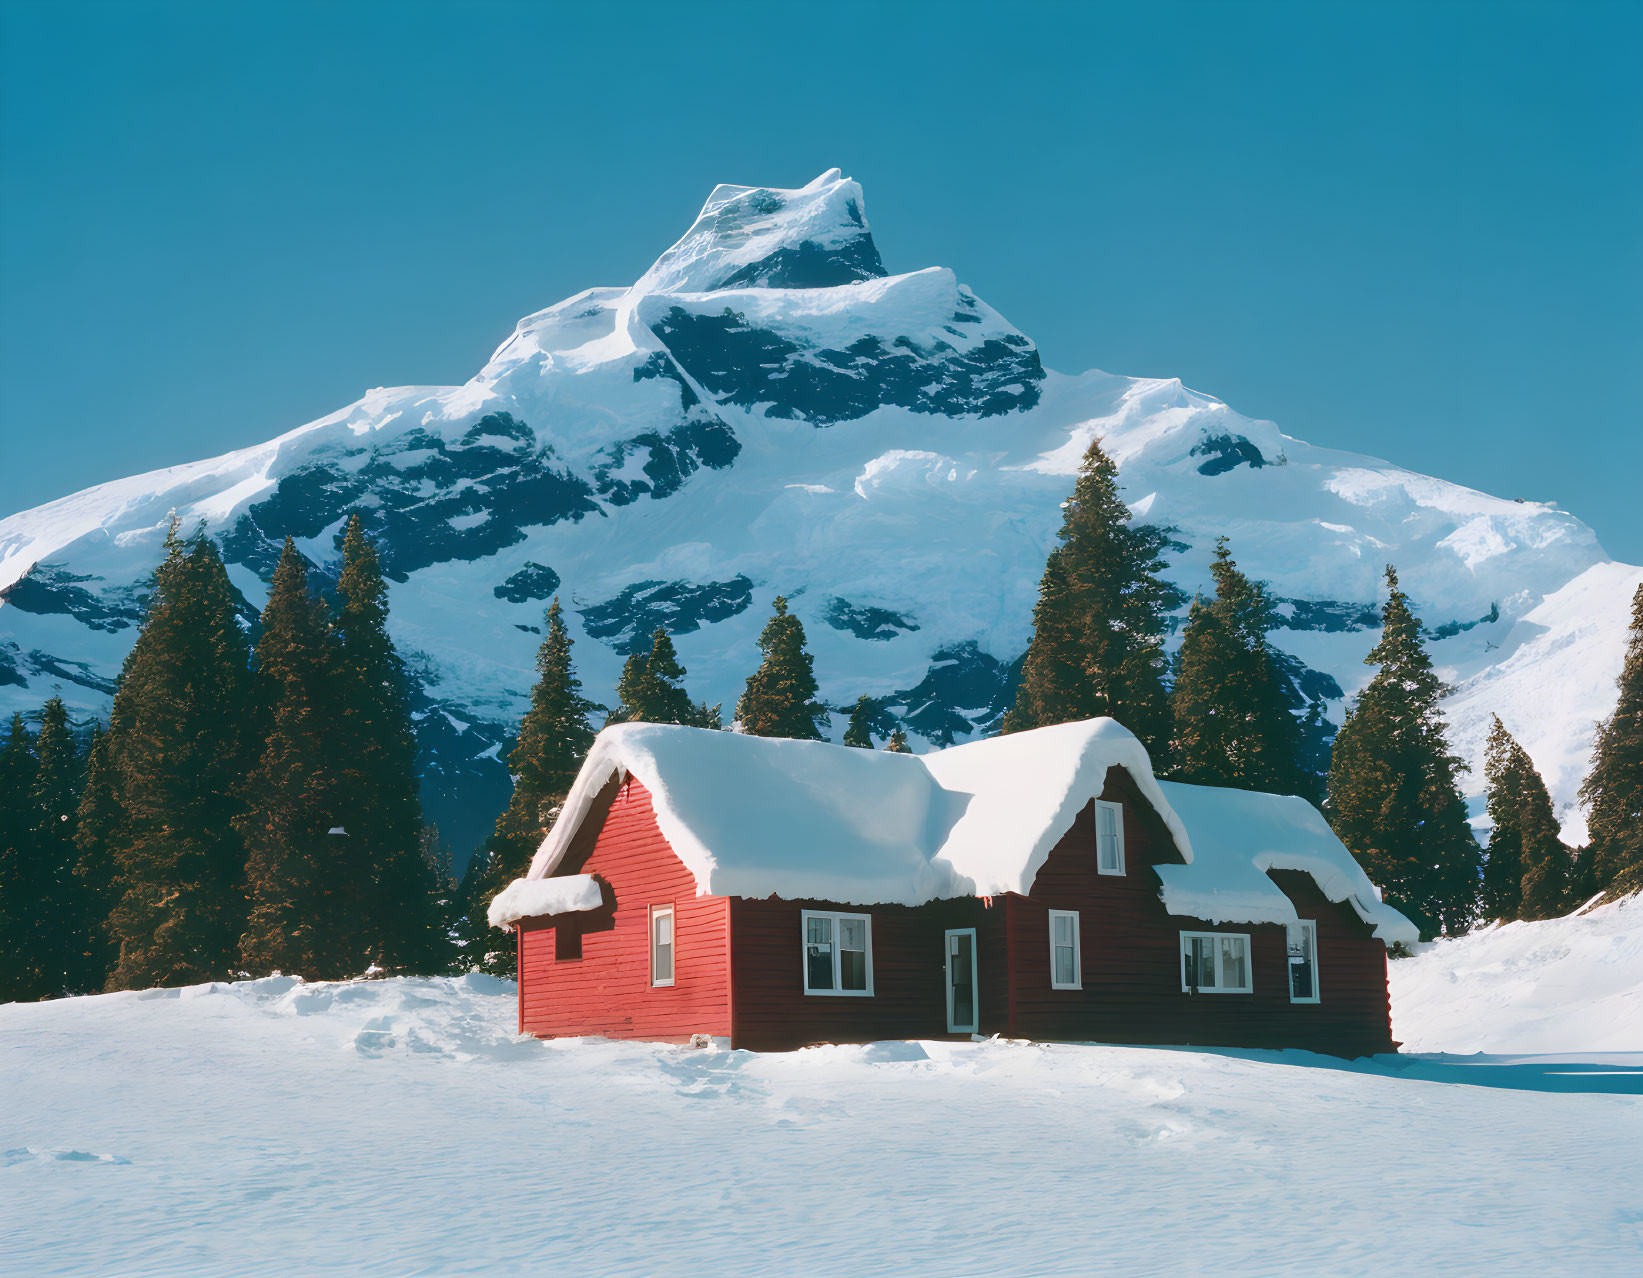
x=1569, y=984
x=768, y=410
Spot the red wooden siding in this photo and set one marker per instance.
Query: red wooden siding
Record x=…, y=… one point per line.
x=739, y=963
x=1130, y=956
x=909, y=998
x=607, y=990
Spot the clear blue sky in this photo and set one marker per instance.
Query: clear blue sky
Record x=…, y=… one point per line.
x=1412, y=230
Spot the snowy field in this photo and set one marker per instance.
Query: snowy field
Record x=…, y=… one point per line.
x=398, y=1127
x=1566, y=984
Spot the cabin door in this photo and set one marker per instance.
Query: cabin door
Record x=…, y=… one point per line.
x=962, y=1014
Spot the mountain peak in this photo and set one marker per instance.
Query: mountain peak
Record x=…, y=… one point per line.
x=814, y=236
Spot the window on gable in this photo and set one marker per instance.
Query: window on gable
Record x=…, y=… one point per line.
x=1109, y=837
x=1065, y=967
x=661, y=945
x=838, y=952
x=1303, y=961
x=1215, y=963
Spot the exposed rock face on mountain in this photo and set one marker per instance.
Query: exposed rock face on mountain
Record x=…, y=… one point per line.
x=768, y=411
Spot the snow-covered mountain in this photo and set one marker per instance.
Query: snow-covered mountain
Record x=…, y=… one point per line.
x=768, y=411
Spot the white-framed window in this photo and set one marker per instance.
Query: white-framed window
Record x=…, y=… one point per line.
x=661, y=945
x=1066, y=963
x=1216, y=963
x=1109, y=837
x=838, y=952
x=1303, y=961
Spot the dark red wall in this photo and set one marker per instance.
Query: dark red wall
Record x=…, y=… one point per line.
x=909, y=999
x=1131, y=956
x=739, y=962
x=607, y=990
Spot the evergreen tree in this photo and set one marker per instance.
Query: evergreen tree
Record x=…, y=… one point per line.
x=308, y=875
x=1548, y=866
x=176, y=751
x=651, y=689
x=898, y=743
x=1393, y=792
x=1097, y=645
x=1233, y=723
x=96, y=827
x=58, y=915
x=1503, y=867
x=376, y=755
x=1205, y=747
x=1534, y=876
x=780, y=697
x=1613, y=790
x=18, y=889
x=554, y=738
x=859, y=731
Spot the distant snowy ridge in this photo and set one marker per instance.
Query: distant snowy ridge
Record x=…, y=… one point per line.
x=766, y=410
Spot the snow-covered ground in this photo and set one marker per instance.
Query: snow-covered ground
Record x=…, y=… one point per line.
x=1570, y=984
x=399, y=1127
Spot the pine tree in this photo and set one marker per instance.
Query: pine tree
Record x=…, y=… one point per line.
x=1533, y=878
x=1207, y=730
x=898, y=743
x=554, y=738
x=1548, y=866
x=1097, y=645
x=1503, y=867
x=18, y=889
x=96, y=828
x=780, y=697
x=859, y=731
x=59, y=913
x=651, y=689
x=177, y=744
x=308, y=876
x=376, y=756
x=1393, y=792
x=1613, y=790
x=1233, y=723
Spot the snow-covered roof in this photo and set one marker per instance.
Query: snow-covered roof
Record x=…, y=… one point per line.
x=1238, y=835
x=757, y=817
x=529, y=898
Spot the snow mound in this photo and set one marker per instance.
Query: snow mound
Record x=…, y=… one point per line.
x=756, y=817
x=535, y=898
x=1568, y=984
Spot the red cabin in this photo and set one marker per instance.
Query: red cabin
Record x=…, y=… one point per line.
x=1043, y=885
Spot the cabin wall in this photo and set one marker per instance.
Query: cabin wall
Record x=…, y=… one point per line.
x=607, y=989
x=1130, y=956
x=909, y=1000
x=739, y=963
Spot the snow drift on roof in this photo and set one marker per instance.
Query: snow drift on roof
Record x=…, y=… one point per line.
x=757, y=817
x=533, y=898
x=1238, y=835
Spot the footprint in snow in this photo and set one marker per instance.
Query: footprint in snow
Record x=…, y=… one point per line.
x=375, y=1036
